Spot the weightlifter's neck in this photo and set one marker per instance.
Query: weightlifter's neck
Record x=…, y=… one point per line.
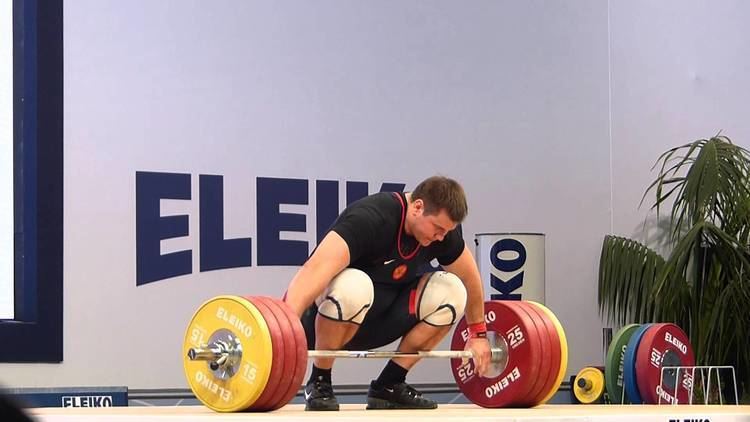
x=409, y=218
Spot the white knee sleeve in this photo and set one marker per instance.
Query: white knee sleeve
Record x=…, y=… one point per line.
x=348, y=297
x=443, y=299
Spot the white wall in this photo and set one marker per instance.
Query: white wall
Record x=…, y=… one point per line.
x=512, y=98
x=680, y=72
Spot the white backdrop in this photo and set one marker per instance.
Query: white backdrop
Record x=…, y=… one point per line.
x=542, y=109
x=672, y=82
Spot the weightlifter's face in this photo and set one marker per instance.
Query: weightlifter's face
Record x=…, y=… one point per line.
x=428, y=228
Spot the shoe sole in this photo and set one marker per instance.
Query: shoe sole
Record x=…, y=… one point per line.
x=380, y=404
x=332, y=408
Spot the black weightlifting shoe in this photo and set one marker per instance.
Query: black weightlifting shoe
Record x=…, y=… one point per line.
x=319, y=396
x=397, y=396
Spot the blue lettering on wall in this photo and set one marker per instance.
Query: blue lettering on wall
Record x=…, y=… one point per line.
x=215, y=251
x=152, y=228
x=272, y=193
x=392, y=187
x=326, y=206
x=356, y=191
x=506, y=288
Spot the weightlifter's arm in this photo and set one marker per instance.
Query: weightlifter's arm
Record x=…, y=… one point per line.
x=466, y=269
x=330, y=258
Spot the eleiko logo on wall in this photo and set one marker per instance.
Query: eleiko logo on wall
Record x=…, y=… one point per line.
x=216, y=252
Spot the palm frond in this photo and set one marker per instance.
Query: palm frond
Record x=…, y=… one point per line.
x=627, y=272
x=704, y=284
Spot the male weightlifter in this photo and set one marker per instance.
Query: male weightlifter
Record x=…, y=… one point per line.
x=369, y=283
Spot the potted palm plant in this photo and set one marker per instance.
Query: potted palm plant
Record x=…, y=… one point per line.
x=702, y=283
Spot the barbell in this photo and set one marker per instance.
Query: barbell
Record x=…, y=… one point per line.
x=218, y=355
x=250, y=354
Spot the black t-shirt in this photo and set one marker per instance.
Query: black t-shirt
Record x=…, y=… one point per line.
x=373, y=228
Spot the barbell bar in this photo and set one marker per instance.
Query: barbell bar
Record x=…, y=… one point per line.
x=215, y=353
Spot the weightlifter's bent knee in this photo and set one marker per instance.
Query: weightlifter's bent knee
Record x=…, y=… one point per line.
x=442, y=300
x=347, y=298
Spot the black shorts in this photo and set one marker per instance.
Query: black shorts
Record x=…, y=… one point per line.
x=390, y=317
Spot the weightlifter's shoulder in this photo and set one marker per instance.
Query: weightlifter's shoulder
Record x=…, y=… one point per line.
x=381, y=207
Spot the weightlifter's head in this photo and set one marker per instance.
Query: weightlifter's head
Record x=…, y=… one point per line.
x=436, y=206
